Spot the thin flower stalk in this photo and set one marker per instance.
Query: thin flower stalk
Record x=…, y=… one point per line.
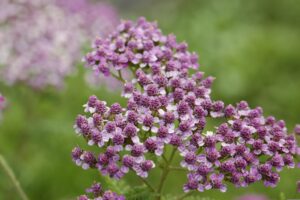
x=9, y=172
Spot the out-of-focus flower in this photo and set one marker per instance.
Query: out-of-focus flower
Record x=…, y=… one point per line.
x=98, y=193
x=298, y=186
x=98, y=18
x=297, y=129
x=252, y=197
x=44, y=54
x=2, y=104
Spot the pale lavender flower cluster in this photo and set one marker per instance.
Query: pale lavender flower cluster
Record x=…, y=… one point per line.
x=167, y=106
x=98, y=193
x=46, y=54
x=97, y=18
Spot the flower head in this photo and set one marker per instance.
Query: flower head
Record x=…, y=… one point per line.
x=140, y=45
x=168, y=107
x=234, y=150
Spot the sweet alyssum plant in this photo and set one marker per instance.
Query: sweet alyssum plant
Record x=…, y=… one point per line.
x=167, y=110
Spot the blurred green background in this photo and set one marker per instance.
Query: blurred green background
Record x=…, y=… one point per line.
x=252, y=47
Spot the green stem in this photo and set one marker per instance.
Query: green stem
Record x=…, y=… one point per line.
x=164, y=158
x=13, y=178
x=147, y=184
x=118, y=77
x=165, y=174
x=133, y=70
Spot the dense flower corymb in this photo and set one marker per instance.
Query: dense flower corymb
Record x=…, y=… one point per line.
x=166, y=106
x=139, y=45
x=113, y=130
x=147, y=124
x=234, y=150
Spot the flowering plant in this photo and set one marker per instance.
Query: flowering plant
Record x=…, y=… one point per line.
x=166, y=115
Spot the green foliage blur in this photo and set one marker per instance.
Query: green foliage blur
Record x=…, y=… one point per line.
x=252, y=47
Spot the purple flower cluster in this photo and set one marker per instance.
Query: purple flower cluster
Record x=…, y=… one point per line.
x=148, y=122
x=98, y=193
x=46, y=54
x=243, y=150
x=138, y=45
x=166, y=106
x=115, y=131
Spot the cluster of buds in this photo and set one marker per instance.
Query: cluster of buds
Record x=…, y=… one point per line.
x=166, y=106
x=98, y=193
